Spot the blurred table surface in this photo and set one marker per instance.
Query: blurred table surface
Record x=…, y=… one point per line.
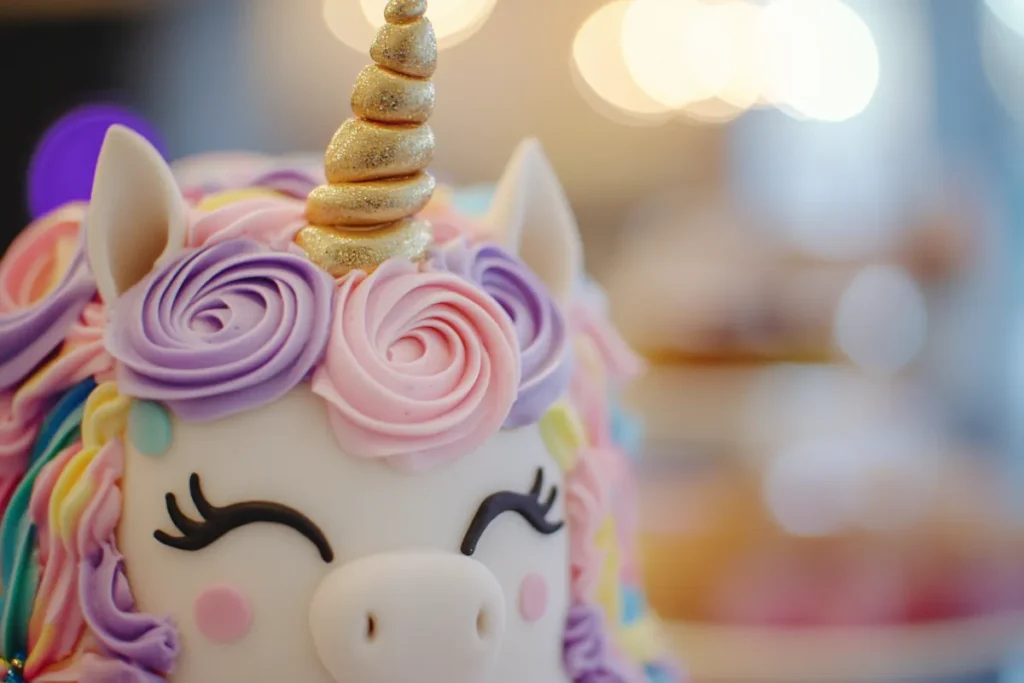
x=952, y=651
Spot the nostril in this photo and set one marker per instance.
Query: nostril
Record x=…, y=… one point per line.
x=483, y=623
x=371, y=627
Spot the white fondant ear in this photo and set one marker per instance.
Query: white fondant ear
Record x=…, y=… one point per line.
x=137, y=215
x=531, y=215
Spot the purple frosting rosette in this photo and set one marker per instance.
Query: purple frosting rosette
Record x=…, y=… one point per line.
x=587, y=655
x=539, y=324
x=221, y=329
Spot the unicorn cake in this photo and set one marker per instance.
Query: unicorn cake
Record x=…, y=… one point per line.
x=264, y=422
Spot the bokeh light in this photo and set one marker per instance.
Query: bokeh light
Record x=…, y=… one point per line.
x=714, y=110
x=806, y=486
x=1002, y=50
x=1009, y=12
x=654, y=43
x=454, y=20
x=64, y=161
x=709, y=61
x=599, y=61
x=721, y=45
x=881, y=320
x=347, y=22
x=821, y=58
x=872, y=478
x=355, y=22
x=815, y=59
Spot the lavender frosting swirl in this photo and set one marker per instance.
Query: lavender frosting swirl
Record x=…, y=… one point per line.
x=142, y=641
x=221, y=330
x=31, y=330
x=586, y=653
x=293, y=182
x=96, y=669
x=539, y=324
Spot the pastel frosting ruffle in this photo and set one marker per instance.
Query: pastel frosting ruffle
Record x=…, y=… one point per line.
x=540, y=328
x=422, y=367
x=148, y=642
x=76, y=505
x=83, y=356
x=293, y=182
x=446, y=222
x=587, y=654
x=45, y=284
x=586, y=506
x=272, y=221
x=207, y=174
x=96, y=669
x=222, y=329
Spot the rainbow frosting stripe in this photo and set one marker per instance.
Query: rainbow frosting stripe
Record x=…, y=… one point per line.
x=66, y=602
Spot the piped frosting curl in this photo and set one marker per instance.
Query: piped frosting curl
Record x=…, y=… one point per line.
x=151, y=644
x=540, y=327
x=45, y=285
x=272, y=221
x=421, y=368
x=76, y=505
x=588, y=656
x=222, y=329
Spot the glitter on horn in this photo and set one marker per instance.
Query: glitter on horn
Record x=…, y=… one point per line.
x=375, y=163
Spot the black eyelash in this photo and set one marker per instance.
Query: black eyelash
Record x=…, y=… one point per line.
x=218, y=521
x=528, y=505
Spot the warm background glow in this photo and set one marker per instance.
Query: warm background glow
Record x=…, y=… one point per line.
x=645, y=61
x=598, y=58
x=714, y=59
x=454, y=20
x=354, y=22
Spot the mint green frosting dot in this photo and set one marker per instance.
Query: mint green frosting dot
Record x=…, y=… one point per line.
x=149, y=428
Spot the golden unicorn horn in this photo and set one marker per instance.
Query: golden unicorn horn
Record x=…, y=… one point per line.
x=376, y=182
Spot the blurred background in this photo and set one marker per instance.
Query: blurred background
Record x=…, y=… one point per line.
x=807, y=216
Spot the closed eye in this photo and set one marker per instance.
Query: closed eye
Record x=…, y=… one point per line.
x=528, y=505
x=218, y=521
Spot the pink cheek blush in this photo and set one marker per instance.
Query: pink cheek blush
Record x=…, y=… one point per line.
x=533, y=597
x=223, y=614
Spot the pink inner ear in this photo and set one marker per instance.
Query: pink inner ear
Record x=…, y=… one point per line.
x=223, y=614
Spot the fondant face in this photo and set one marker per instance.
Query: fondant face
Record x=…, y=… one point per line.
x=398, y=600
x=273, y=506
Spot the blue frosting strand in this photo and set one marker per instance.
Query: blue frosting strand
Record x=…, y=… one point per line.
x=627, y=429
x=633, y=605
x=69, y=403
x=19, y=566
x=657, y=673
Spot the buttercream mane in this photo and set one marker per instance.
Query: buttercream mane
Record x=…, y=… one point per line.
x=576, y=426
x=422, y=332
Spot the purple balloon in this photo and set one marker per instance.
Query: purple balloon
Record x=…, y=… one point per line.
x=64, y=161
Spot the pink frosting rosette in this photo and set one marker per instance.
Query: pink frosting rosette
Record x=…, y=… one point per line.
x=540, y=328
x=221, y=330
x=421, y=368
